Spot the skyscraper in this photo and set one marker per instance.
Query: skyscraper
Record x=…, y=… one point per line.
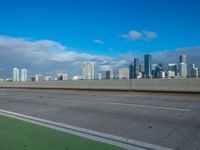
x=131, y=71
x=182, y=59
x=194, y=71
x=109, y=74
x=124, y=73
x=141, y=68
x=182, y=66
x=15, y=74
x=147, y=65
x=182, y=70
x=136, y=68
x=24, y=75
x=88, y=71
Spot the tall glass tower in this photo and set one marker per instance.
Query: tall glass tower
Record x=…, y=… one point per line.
x=15, y=74
x=88, y=71
x=131, y=71
x=24, y=74
x=147, y=65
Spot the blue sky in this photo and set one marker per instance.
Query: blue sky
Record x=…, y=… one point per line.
x=104, y=28
x=76, y=23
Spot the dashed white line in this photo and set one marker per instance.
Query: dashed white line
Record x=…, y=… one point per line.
x=148, y=106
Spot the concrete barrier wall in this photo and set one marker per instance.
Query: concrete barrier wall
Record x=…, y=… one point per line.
x=173, y=85
x=176, y=85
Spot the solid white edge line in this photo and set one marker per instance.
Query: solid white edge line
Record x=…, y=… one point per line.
x=147, y=106
x=3, y=94
x=86, y=133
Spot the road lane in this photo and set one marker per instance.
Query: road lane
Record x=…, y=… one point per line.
x=174, y=129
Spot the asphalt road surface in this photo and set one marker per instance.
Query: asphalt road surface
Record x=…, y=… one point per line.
x=169, y=120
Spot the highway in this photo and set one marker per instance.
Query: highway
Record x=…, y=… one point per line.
x=168, y=120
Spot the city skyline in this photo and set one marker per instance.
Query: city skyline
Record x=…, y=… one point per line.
x=73, y=32
x=135, y=70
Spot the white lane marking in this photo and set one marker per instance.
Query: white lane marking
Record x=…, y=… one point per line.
x=21, y=98
x=86, y=133
x=148, y=106
x=3, y=94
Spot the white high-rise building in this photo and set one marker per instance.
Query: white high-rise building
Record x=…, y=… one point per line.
x=183, y=70
x=124, y=73
x=88, y=71
x=24, y=75
x=182, y=66
x=15, y=74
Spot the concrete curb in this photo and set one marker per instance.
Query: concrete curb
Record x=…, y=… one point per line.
x=86, y=133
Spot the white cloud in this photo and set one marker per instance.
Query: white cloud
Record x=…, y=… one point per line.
x=43, y=56
x=136, y=35
x=148, y=35
x=49, y=57
x=98, y=41
x=132, y=35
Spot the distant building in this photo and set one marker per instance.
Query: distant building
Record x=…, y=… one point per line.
x=147, y=65
x=161, y=74
x=139, y=75
x=182, y=70
x=198, y=72
x=65, y=77
x=62, y=76
x=38, y=77
x=159, y=68
x=131, y=71
x=194, y=72
x=173, y=67
x=76, y=77
x=15, y=74
x=136, y=68
x=59, y=76
x=182, y=66
x=88, y=71
x=31, y=78
x=99, y=77
x=182, y=59
x=141, y=69
x=24, y=75
x=154, y=70
x=170, y=74
x=109, y=74
x=48, y=78
x=124, y=73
